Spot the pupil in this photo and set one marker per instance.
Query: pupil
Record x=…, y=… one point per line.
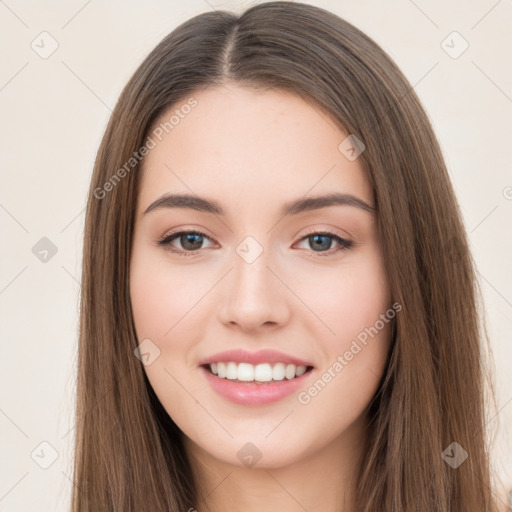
x=191, y=237
x=325, y=238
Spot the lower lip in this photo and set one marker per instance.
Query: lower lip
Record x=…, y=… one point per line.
x=251, y=393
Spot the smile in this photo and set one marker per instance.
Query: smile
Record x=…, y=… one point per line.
x=256, y=392
x=265, y=372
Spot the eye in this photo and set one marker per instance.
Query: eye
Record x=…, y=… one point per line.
x=320, y=240
x=191, y=242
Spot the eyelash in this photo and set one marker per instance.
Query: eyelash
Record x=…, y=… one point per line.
x=166, y=242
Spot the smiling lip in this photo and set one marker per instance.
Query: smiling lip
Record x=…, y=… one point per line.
x=252, y=393
x=262, y=356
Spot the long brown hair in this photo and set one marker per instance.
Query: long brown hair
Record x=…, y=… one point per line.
x=129, y=454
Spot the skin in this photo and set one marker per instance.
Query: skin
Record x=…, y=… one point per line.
x=252, y=151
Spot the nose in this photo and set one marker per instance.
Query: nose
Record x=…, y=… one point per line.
x=253, y=295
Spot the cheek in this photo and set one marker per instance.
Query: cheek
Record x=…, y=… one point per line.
x=161, y=294
x=352, y=367
x=160, y=304
x=346, y=298
x=149, y=304
x=170, y=308
x=355, y=308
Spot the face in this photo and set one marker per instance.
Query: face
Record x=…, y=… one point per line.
x=250, y=264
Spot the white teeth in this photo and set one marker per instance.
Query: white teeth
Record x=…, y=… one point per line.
x=231, y=371
x=245, y=372
x=260, y=372
x=300, y=370
x=263, y=372
x=221, y=370
x=278, y=371
x=290, y=371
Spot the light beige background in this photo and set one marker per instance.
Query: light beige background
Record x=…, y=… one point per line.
x=53, y=113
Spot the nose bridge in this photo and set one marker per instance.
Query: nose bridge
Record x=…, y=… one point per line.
x=251, y=279
x=253, y=295
x=250, y=272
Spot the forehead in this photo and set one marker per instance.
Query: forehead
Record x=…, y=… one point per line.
x=237, y=143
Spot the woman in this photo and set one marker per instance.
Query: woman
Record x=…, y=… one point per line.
x=278, y=303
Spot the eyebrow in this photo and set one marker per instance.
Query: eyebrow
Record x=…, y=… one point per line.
x=201, y=204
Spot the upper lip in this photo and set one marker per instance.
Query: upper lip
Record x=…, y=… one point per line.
x=262, y=356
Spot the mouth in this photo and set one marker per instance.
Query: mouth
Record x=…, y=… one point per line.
x=260, y=374
x=256, y=378
x=258, y=388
